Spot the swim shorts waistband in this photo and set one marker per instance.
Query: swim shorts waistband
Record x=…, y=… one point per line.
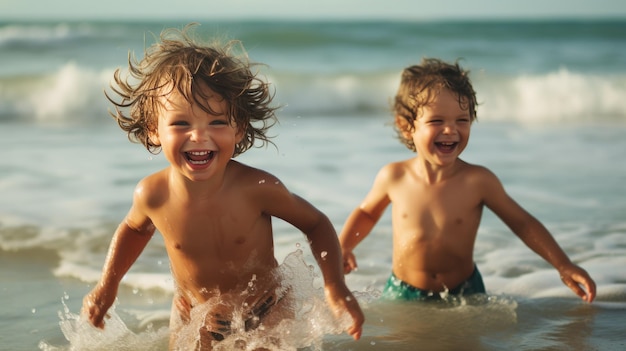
x=396, y=289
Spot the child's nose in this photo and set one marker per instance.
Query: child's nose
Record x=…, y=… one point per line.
x=200, y=135
x=449, y=129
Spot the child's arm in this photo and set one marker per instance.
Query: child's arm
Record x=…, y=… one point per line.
x=535, y=235
x=325, y=248
x=279, y=202
x=362, y=219
x=129, y=240
x=126, y=245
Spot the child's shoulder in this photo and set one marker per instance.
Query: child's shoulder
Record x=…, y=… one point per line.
x=471, y=167
x=392, y=172
x=156, y=179
x=476, y=172
x=152, y=187
x=241, y=173
x=401, y=165
x=395, y=167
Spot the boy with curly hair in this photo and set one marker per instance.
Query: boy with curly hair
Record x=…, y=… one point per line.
x=438, y=198
x=202, y=106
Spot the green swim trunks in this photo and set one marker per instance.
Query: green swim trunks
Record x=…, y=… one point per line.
x=396, y=289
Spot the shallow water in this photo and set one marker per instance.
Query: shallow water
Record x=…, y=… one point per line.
x=55, y=233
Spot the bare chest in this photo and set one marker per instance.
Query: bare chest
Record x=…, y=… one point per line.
x=221, y=231
x=435, y=210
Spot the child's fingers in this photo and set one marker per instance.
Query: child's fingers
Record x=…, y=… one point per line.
x=93, y=313
x=341, y=300
x=349, y=263
x=590, y=286
x=578, y=290
x=355, y=332
x=95, y=317
x=357, y=327
x=576, y=282
x=357, y=317
x=589, y=293
x=347, y=268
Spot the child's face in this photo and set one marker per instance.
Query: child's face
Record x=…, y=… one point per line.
x=442, y=131
x=196, y=143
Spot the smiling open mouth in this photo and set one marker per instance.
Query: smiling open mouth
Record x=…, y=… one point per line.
x=446, y=146
x=199, y=157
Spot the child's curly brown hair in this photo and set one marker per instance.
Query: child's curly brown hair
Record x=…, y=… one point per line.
x=419, y=84
x=179, y=62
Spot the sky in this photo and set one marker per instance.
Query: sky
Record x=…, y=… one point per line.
x=308, y=9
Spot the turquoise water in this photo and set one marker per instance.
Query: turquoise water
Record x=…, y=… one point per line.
x=551, y=126
x=527, y=71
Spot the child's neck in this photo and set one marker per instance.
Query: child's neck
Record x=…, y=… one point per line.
x=191, y=190
x=432, y=173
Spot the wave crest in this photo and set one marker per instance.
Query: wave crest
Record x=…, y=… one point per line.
x=75, y=93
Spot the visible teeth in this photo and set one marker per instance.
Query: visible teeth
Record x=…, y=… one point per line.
x=199, y=157
x=199, y=153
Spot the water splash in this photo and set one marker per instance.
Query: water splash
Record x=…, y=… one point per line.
x=116, y=336
x=311, y=322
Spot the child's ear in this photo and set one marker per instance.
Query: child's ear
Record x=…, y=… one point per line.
x=241, y=133
x=154, y=137
x=404, y=127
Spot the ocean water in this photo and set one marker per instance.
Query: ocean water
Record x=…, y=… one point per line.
x=551, y=125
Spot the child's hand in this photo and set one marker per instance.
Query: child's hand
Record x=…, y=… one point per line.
x=341, y=300
x=96, y=304
x=349, y=262
x=574, y=277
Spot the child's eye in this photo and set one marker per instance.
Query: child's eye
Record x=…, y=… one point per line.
x=218, y=122
x=179, y=123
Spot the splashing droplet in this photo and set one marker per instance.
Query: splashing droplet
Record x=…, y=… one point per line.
x=323, y=255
